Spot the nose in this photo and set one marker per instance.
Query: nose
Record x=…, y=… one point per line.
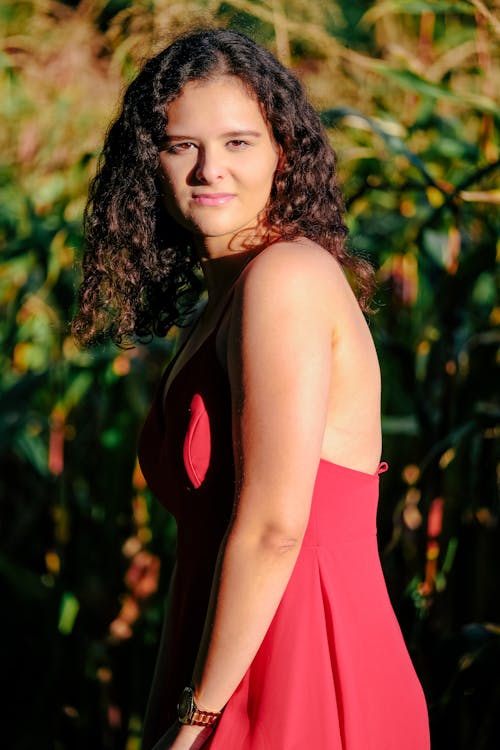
x=209, y=166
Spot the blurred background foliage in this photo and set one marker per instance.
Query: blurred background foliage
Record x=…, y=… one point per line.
x=407, y=91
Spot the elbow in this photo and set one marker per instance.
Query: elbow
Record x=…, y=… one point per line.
x=278, y=540
x=273, y=528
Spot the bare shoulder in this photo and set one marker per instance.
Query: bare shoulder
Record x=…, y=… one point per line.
x=296, y=259
x=299, y=273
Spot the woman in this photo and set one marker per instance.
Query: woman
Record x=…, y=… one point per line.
x=264, y=437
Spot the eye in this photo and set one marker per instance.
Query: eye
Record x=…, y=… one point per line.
x=236, y=144
x=179, y=148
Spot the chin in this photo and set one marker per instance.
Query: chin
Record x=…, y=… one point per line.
x=217, y=230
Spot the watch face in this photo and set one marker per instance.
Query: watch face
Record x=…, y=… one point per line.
x=185, y=705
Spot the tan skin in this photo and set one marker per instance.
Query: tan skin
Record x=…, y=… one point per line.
x=302, y=367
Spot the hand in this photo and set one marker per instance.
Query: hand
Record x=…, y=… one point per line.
x=183, y=737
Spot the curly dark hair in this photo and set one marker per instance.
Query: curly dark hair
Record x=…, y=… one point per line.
x=140, y=268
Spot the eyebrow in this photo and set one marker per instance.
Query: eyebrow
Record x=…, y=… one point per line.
x=231, y=134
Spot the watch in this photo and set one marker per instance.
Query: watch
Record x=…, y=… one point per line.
x=189, y=713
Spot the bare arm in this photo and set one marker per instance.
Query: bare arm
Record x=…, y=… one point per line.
x=279, y=362
x=279, y=356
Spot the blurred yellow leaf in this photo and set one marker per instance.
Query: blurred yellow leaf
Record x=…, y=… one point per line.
x=481, y=196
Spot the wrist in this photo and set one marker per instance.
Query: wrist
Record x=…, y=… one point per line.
x=193, y=730
x=190, y=712
x=203, y=704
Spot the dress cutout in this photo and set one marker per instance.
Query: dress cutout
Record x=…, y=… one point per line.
x=333, y=671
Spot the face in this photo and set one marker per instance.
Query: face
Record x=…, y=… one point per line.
x=217, y=162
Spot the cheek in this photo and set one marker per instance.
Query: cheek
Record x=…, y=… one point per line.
x=174, y=171
x=270, y=165
x=169, y=183
x=172, y=203
x=264, y=173
x=167, y=179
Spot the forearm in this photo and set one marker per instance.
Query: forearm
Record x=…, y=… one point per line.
x=253, y=571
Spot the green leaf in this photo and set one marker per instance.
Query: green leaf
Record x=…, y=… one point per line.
x=400, y=425
x=415, y=7
x=76, y=390
x=411, y=81
x=34, y=450
x=68, y=612
x=331, y=116
x=485, y=291
x=112, y=438
x=436, y=244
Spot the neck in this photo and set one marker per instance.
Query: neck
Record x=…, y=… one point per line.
x=221, y=271
x=222, y=260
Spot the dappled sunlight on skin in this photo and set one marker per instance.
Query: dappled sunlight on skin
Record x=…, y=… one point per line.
x=217, y=171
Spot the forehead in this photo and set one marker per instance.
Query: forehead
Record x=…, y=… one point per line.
x=202, y=104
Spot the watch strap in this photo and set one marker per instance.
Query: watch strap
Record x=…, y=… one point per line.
x=205, y=718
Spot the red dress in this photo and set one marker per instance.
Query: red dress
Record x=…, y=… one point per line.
x=333, y=672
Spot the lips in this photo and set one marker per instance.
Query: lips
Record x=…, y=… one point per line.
x=213, y=199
